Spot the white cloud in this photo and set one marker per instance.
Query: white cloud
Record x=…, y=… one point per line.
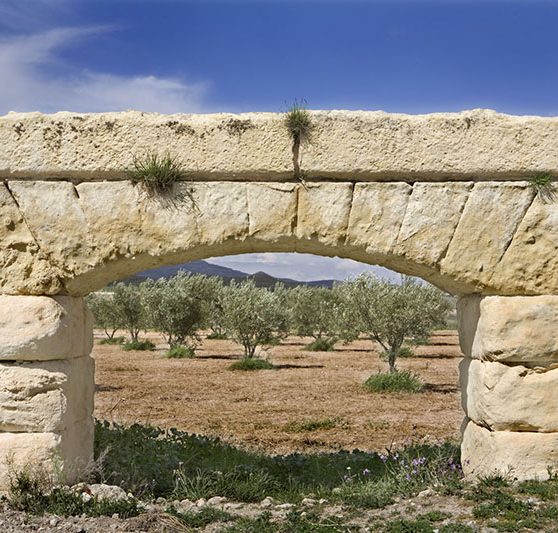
x=35, y=79
x=303, y=267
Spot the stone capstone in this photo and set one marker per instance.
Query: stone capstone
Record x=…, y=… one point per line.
x=346, y=145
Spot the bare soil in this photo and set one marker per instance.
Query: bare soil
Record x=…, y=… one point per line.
x=256, y=409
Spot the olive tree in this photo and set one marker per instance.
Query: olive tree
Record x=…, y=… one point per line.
x=105, y=313
x=129, y=306
x=174, y=307
x=314, y=312
x=252, y=316
x=211, y=291
x=388, y=313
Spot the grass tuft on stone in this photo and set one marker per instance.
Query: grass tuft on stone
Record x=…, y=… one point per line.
x=156, y=173
x=544, y=187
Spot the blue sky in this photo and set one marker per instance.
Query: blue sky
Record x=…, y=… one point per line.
x=409, y=56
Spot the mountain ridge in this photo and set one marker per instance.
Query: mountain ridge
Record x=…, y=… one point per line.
x=260, y=278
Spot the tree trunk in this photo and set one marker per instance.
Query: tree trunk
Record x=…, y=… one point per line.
x=392, y=356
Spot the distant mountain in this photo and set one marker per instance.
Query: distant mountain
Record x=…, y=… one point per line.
x=261, y=279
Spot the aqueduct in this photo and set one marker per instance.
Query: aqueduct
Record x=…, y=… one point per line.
x=444, y=196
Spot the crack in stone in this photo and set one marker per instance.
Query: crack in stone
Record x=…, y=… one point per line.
x=446, y=250
x=294, y=222
x=24, y=219
x=396, y=241
x=515, y=231
x=347, y=226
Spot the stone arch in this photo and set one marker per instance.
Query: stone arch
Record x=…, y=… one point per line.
x=443, y=197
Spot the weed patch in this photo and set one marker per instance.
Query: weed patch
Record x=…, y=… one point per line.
x=321, y=345
x=138, y=345
x=30, y=494
x=252, y=363
x=401, y=381
x=113, y=341
x=314, y=425
x=181, y=352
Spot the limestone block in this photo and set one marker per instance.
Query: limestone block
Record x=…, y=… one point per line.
x=376, y=216
x=221, y=212
x=272, y=211
x=65, y=454
x=323, y=214
x=509, y=398
x=518, y=329
x=23, y=267
x=55, y=219
x=531, y=260
x=39, y=328
x=518, y=454
x=432, y=214
x=468, y=315
x=489, y=221
x=46, y=396
x=346, y=145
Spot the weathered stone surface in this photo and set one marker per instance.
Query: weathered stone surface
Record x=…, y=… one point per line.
x=518, y=454
x=376, y=216
x=509, y=398
x=489, y=221
x=518, y=329
x=66, y=454
x=55, y=219
x=323, y=215
x=432, y=214
x=38, y=328
x=23, y=267
x=536, y=240
x=346, y=145
x=272, y=211
x=47, y=396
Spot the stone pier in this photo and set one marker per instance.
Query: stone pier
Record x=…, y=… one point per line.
x=46, y=386
x=509, y=385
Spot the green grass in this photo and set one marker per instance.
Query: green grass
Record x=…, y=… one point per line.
x=253, y=363
x=175, y=464
x=181, y=352
x=296, y=522
x=138, y=345
x=544, y=187
x=156, y=173
x=321, y=345
x=113, y=341
x=406, y=351
x=202, y=518
x=298, y=123
x=313, y=425
x=31, y=494
x=401, y=381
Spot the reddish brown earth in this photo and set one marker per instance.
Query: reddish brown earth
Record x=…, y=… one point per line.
x=255, y=409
